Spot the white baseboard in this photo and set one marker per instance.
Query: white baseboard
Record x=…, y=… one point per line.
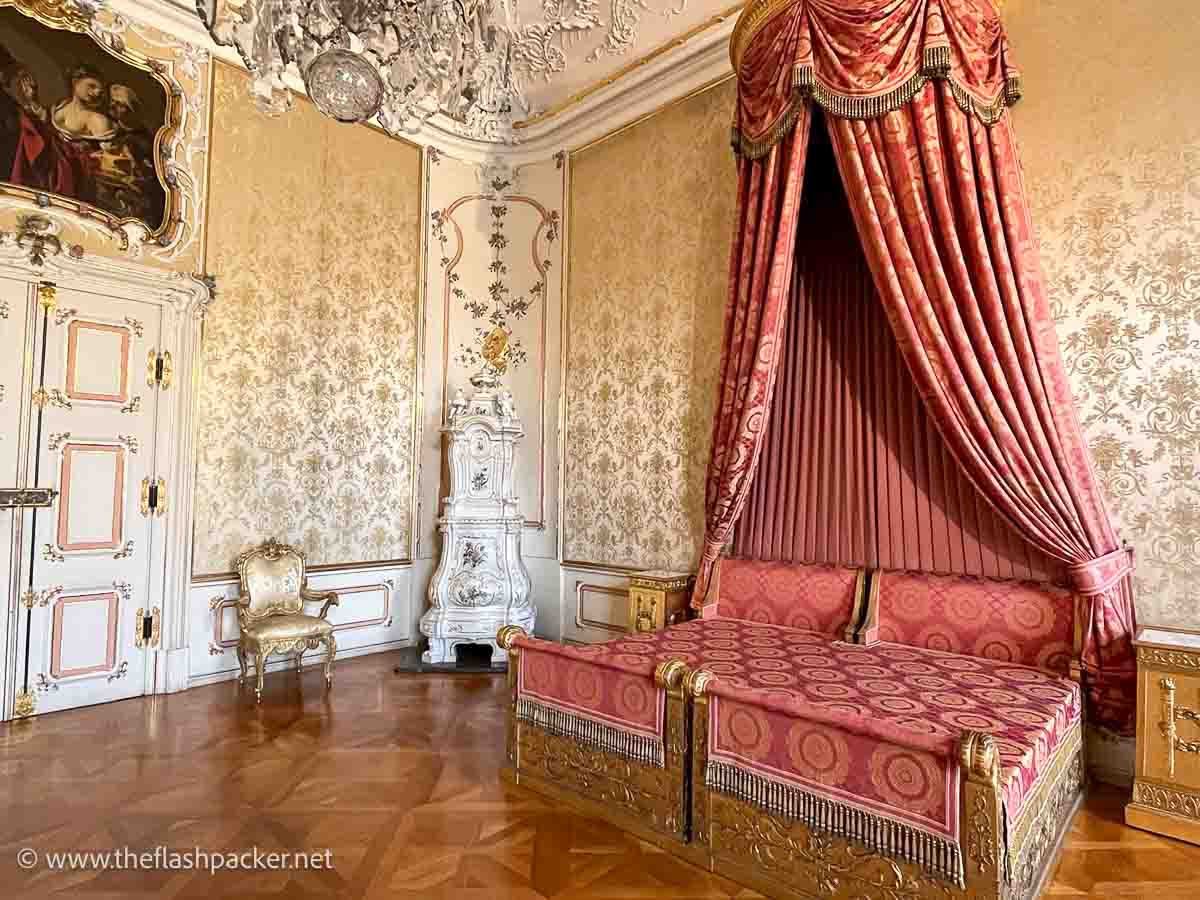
x=171, y=670
x=313, y=659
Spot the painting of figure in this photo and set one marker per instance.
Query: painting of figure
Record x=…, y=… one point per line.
x=77, y=121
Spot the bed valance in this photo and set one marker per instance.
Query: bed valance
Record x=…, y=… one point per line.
x=860, y=59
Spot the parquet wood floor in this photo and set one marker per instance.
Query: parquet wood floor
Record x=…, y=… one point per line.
x=397, y=776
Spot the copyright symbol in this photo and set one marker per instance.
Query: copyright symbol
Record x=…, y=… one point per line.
x=27, y=858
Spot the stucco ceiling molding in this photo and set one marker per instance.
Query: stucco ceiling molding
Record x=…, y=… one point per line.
x=634, y=86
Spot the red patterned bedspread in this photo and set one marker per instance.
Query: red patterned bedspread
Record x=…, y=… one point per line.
x=878, y=723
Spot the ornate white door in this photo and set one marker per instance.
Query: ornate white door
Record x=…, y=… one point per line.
x=86, y=622
x=14, y=324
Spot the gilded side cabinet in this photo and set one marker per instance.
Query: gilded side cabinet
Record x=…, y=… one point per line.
x=1166, y=788
x=658, y=599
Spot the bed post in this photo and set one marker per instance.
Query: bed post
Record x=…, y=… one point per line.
x=696, y=687
x=506, y=637
x=672, y=676
x=981, y=817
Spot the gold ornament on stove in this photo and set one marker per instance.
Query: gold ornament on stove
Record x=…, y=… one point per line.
x=495, y=349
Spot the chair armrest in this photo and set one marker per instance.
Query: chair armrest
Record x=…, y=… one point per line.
x=243, y=601
x=330, y=598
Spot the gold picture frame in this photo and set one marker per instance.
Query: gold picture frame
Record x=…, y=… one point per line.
x=68, y=16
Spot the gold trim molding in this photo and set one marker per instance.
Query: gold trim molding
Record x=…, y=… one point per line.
x=581, y=95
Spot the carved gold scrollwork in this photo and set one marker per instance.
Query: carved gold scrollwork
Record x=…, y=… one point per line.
x=31, y=599
x=51, y=553
x=25, y=705
x=792, y=854
x=1171, y=715
x=58, y=13
x=981, y=841
x=125, y=552
x=64, y=314
x=53, y=397
x=47, y=296
x=133, y=406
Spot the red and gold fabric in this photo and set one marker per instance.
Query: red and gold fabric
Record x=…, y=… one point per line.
x=603, y=694
x=1020, y=622
x=817, y=598
x=861, y=58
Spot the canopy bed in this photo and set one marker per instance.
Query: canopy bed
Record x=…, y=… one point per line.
x=909, y=589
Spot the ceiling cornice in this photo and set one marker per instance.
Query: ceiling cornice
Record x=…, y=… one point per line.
x=672, y=70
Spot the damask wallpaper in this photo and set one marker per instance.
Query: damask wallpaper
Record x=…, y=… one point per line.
x=1113, y=167
x=310, y=353
x=649, y=225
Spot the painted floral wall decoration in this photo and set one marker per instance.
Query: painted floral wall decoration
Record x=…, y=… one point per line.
x=501, y=305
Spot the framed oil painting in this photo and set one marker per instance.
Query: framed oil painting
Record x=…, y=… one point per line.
x=81, y=121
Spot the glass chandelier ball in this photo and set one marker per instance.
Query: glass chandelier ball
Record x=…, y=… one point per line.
x=344, y=85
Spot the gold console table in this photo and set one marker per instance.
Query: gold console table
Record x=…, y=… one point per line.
x=1166, y=787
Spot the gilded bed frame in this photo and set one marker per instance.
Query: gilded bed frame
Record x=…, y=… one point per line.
x=647, y=800
x=672, y=807
x=777, y=855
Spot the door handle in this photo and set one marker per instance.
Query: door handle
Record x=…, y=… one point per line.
x=26, y=498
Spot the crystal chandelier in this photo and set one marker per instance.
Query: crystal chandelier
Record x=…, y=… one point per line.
x=398, y=62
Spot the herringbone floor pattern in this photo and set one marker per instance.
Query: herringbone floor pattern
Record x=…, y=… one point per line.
x=397, y=776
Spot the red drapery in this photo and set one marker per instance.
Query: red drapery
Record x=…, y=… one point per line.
x=853, y=471
x=917, y=90
x=760, y=272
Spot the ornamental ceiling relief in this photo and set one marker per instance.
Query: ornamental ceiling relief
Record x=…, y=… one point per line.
x=649, y=224
x=1116, y=197
x=309, y=358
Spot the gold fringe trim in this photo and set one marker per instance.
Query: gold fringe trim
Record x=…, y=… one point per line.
x=935, y=66
x=638, y=747
x=940, y=857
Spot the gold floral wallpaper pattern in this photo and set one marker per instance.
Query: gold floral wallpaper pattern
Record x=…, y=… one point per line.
x=649, y=226
x=1113, y=170
x=310, y=353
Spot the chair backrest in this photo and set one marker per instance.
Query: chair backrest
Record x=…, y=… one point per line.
x=1024, y=622
x=797, y=595
x=271, y=577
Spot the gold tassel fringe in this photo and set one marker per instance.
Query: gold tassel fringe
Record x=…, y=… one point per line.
x=638, y=747
x=935, y=65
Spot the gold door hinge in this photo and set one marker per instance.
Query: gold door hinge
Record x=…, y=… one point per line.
x=25, y=705
x=154, y=497
x=147, y=628
x=159, y=369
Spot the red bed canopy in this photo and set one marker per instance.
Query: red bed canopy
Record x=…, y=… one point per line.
x=914, y=94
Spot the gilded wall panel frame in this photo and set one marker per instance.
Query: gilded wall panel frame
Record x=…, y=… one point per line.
x=311, y=398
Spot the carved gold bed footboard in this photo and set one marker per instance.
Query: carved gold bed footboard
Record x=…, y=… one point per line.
x=780, y=856
x=639, y=796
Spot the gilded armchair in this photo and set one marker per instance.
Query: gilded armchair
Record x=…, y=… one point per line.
x=271, y=614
